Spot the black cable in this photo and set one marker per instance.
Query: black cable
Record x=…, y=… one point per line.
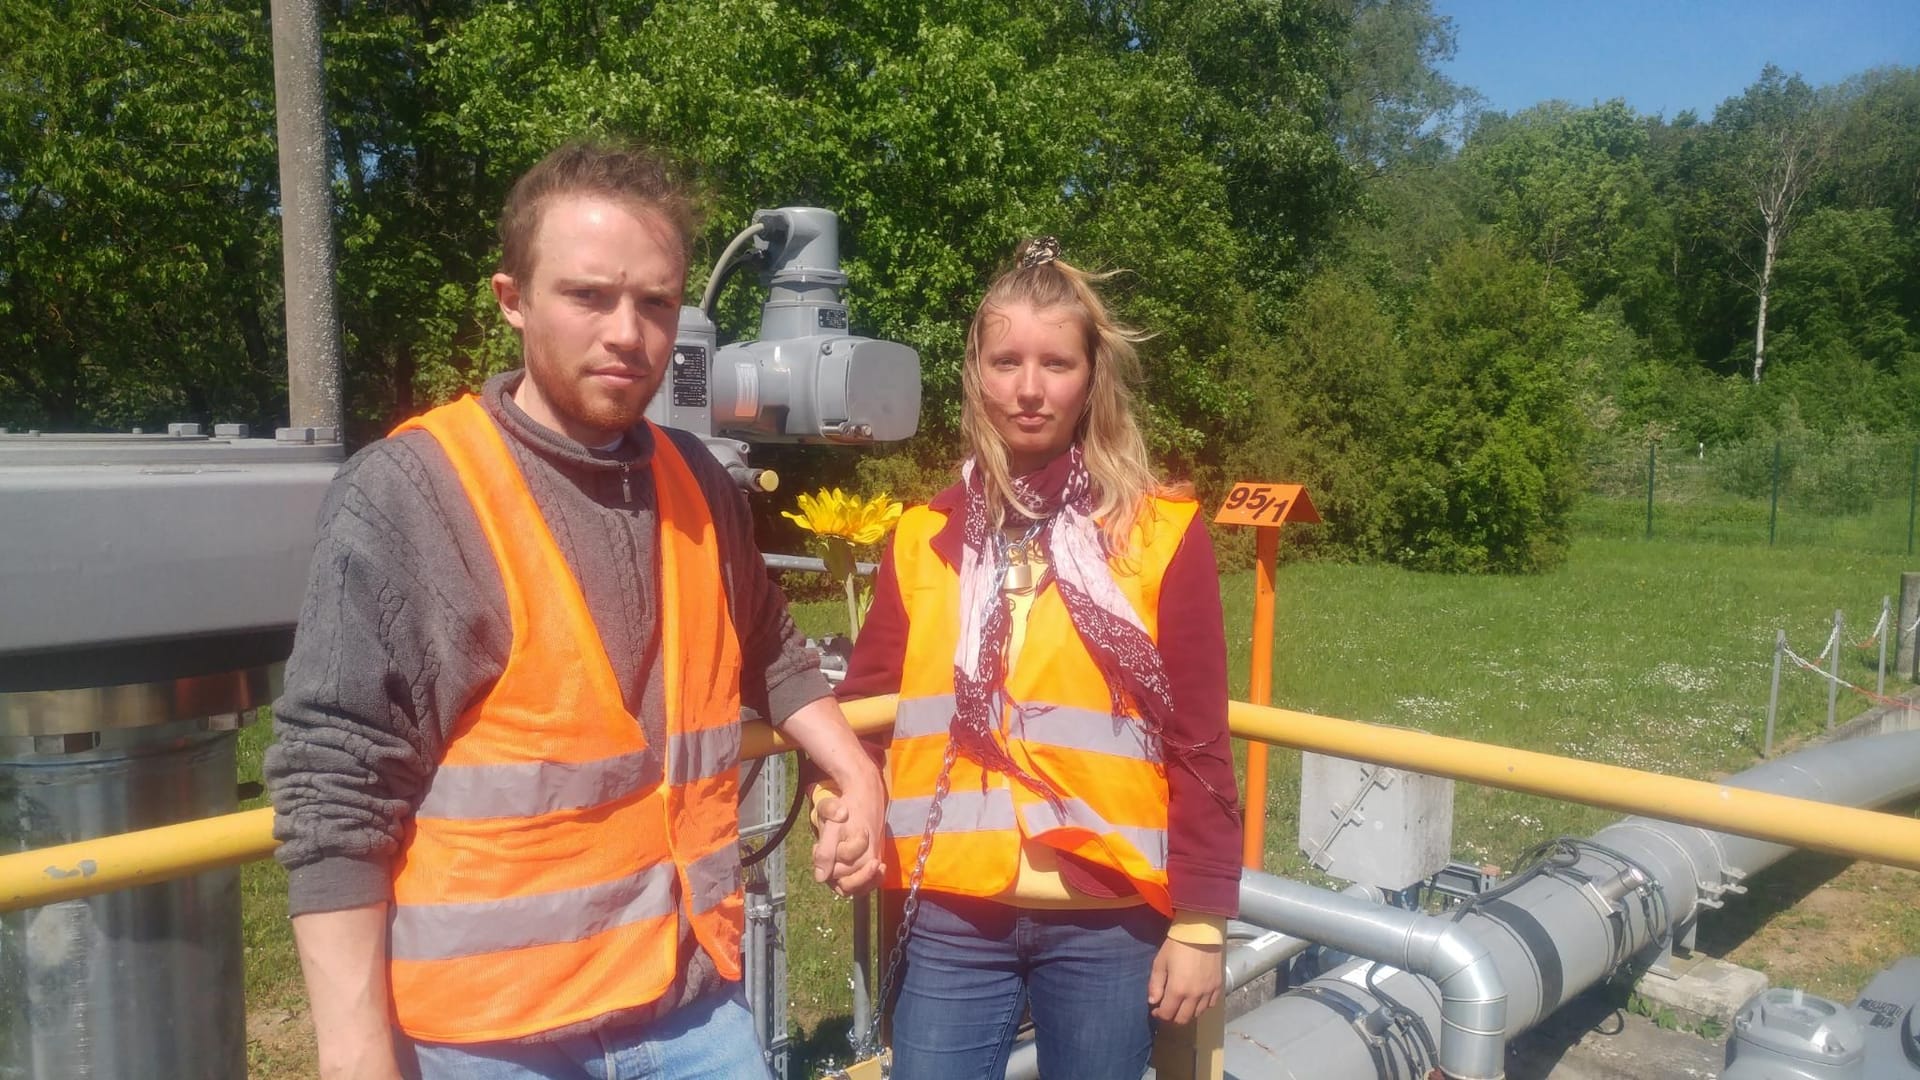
x=780, y=835
x=1405, y=1018
x=1660, y=925
x=1556, y=854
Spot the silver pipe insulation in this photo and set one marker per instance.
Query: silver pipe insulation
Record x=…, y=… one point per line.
x=1251, y=952
x=812, y=564
x=1473, y=1001
x=1250, y=960
x=1633, y=886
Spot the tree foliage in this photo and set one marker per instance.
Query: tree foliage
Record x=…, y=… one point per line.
x=1352, y=280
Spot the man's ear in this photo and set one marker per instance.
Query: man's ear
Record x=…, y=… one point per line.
x=507, y=292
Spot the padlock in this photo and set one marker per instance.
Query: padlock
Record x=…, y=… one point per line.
x=866, y=1069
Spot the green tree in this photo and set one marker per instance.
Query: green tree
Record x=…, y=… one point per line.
x=1395, y=108
x=1330, y=399
x=944, y=133
x=1486, y=474
x=1568, y=186
x=1778, y=138
x=138, y=250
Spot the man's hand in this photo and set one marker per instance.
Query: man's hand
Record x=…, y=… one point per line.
x=847, y=856
x=343, y=955
x=1186, y=981
x=850, y=854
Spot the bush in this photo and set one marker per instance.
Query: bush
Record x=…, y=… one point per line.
x=1745, y=468
x=1489, y=468
x=1846, y=472
x=1328, y=400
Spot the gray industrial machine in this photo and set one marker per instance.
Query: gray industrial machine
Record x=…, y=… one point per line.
x=805, y=379
x=1790, y=1035
x=148, y=583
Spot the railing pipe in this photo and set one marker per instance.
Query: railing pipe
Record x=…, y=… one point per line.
x=1841, y=830
x=33, y=878
x=66, y=871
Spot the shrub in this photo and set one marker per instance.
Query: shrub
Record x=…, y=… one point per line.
x=1489, y=467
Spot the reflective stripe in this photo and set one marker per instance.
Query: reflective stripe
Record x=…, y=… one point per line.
x=961, y=811
x=1150, y=843
x=930, y=715
x=713, y=877
x=448, y=931
x=1085, y=729
x=529, y=789
x=701, y=755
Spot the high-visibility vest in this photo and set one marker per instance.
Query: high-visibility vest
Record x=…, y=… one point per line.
x=536, y=886
x=1057, y=723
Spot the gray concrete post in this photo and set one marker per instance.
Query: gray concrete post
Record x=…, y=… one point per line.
x=1909, y=613
x=1833, y=682
x=1886, y=630
x=1773, y=696
x=306, y=219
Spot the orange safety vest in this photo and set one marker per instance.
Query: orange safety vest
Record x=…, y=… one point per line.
x=1108, y=772
x=537, y=885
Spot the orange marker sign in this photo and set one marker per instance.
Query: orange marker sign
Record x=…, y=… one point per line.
x=1266, y=504
x=1265, y=507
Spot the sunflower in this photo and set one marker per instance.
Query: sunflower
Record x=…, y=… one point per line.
x=834, y=513
x=840, y=521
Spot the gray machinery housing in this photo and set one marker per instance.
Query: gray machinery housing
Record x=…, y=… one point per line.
x=805, y=379
x=148, y=583
x=1790, y=1035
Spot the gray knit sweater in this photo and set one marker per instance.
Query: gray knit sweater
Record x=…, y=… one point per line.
x=405, y=624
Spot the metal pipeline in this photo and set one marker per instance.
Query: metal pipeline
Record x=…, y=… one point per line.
x=1473, y=1002
x=1556, y=931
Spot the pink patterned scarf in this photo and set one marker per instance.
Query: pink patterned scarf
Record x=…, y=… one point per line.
x=1061, y=494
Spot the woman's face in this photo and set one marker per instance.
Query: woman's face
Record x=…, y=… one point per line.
x=1035, y=375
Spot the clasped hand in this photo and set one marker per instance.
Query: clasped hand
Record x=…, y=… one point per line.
x=849, y=855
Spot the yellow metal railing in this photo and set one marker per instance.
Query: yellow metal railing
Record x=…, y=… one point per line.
x=47, y=875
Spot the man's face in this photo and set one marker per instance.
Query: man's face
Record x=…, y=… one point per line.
x=597, y=315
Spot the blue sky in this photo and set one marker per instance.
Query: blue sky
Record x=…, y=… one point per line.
x=1665, y=57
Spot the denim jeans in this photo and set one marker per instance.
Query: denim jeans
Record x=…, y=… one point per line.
x=973, y=967
x=711, y=1038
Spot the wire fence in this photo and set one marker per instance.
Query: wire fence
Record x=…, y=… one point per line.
x=1850, y=490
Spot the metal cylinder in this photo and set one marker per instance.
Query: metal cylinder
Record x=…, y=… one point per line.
x=141, y=982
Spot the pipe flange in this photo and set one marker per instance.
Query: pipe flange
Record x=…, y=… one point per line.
x=32, y=714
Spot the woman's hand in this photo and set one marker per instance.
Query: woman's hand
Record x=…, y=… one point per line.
x=1186, y=981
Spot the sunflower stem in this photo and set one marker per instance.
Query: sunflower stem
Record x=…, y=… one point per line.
x=853, y=607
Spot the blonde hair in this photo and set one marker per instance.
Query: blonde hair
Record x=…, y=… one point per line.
x=1109, y=437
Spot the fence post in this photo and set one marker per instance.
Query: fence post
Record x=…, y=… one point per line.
x=1651, y=448
x=1886, y=631
x=1773, y=515
x=1839, y=646
x=1913, y=494
x=1773, y=697
x=1903, y=658
x=863, y=1009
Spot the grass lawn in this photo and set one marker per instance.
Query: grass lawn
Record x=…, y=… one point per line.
x=1652, y=655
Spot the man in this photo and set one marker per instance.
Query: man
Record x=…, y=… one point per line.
x=506, y=772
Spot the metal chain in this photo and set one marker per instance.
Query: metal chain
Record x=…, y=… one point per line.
x=869, y=1044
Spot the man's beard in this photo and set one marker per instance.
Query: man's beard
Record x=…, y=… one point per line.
x=575, y=399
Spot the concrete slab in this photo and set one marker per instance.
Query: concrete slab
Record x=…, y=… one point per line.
x=1591, y=1038
x=1706, y=989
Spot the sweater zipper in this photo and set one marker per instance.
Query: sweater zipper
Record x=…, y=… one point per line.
x=626, y=488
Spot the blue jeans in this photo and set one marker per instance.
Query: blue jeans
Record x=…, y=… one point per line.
x=974, y=966
x=711, y=1038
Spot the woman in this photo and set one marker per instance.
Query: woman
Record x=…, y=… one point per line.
x=1063, y=798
